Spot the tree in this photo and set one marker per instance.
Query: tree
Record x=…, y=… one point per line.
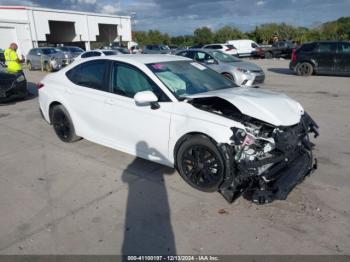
x=203, y=35
x=228, y=33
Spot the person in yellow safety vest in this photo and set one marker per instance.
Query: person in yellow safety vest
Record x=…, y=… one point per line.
x=11, y=59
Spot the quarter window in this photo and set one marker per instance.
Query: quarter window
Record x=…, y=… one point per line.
x=326, y=47
x=91, y=74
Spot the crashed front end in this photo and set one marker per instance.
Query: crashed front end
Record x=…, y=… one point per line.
x=264, y=162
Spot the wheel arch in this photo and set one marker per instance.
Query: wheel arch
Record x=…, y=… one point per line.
x=187, y=136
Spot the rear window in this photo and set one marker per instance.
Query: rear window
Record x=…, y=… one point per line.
x=307, y=47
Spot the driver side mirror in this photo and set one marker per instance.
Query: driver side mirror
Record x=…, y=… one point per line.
x=146, y=98
x=210, y=62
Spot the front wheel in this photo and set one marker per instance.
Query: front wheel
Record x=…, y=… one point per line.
x=63, y=124
x=200, y=163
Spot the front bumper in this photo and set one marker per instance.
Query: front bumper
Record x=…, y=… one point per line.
x=254, y=79
x=289, y=165
x=17, y=91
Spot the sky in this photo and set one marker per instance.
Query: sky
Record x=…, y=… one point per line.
x=178, y=17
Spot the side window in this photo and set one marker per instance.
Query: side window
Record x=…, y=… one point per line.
x=326, y=47
x=185, y=54
x=344, y=48
x=210, y=47
x=90, y=54
x=254, y=45
x=91, y=74
x=200, y=57
x=127, y=81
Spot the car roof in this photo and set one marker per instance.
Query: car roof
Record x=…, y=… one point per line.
x=143, y=58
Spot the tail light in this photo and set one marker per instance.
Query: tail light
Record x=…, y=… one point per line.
x=39, y=85
x=294, y=55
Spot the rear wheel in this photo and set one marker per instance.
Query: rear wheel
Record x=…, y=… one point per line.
x=63, y=124
x=304, y=69
x=268, y=55
x=200, y=163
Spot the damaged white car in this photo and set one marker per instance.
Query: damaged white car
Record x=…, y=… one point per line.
x=179, y=113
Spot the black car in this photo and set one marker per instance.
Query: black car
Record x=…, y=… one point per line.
x=322, y=57
x=12, y=86
x=2, y=58
x=279, y=49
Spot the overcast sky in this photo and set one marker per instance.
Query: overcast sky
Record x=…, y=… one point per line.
x=183, y=16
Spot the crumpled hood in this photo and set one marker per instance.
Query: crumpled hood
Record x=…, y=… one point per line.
x=271, y=107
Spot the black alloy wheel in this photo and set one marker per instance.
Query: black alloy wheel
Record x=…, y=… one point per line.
x=63, y=125
x=200, y=164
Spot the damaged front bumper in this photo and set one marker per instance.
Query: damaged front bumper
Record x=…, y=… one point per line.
x=292, y=160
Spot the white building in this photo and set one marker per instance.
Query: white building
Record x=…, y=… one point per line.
x=32, y=27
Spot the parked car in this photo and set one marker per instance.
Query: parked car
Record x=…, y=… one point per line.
x=12, y=85
x=196, y=46
x=47, y=57
x=98, y=52
x=70, y=52
x=226, y=48
x=156, y=49
x=279, y=49
x=243, y=73
x=321, y=57
x=177, y=112
x=2, y=58
x=244, y=47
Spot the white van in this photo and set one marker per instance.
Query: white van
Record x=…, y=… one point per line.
x=245, y=47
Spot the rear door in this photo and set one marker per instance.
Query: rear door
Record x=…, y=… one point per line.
x=325, y=57
x=342, y=61
x=87, y=95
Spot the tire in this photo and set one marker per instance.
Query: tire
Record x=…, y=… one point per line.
x=63, y=125
x=48, y=67
x=30, y=67
x=304, y=69
x=200, y=163
x=229, y=76
x=268, y=55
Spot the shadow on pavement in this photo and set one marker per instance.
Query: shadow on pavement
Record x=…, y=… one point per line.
x=283, y=71
x=148, y=229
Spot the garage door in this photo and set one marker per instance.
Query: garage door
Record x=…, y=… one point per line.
x=8, y=35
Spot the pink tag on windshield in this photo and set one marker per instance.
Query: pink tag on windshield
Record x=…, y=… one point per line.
x=158, y=66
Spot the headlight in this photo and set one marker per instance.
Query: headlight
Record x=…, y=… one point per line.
x=20, y=78
x=242, y=70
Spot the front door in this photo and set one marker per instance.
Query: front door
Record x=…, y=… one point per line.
x=137, y=129
x=325, y=57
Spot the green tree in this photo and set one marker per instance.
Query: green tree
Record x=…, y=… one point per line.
x=228, y=33
x=203, y=35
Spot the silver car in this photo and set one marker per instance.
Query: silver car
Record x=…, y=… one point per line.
x=70, y=52
x=48, y=58
x=243, y=73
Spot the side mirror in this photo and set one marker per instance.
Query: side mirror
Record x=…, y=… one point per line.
x=210, y=62
x=146, y=98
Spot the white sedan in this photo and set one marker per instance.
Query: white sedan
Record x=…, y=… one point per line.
x=179, y=113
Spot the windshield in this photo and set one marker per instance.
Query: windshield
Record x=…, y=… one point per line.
x=49, y=51
x=75, y=49
x=184, y=78
x=225, y=57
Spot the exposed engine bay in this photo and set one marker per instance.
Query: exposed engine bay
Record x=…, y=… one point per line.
x=263, y=161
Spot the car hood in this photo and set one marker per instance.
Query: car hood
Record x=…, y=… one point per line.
x=245, y=65
x=270, y=107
